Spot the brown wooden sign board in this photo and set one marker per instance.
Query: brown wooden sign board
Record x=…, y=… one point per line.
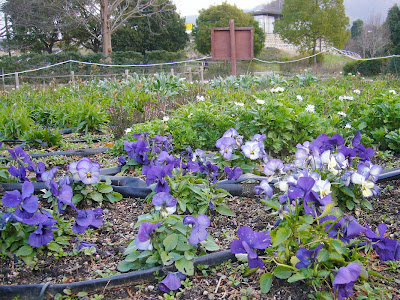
x=221, y=43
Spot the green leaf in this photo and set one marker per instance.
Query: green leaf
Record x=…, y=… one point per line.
x=77, y=198
x=152, y=259
x=266, y=282
x=338, y=245
x=296, y=277
x=225, y=210
x=124, y=266
x=273, y=204
x=346, y=190
x=185, y=266
x=54, y=247
x=349, y=204
x=104, y=188
x=96, y=196
x=280, y=236
x=210, y=244
x=170, y=242
x=283, y=272
x=367, y=204
x=166, y=258
x=24, y=251
x=114, y=197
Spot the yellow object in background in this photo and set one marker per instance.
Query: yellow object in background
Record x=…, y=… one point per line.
x=189, y=26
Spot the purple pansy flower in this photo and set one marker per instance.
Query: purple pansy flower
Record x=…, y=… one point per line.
x=252, y=150
x=84, y=244
x=88, y=171
x=249, y=240
x=74, y=171
x=264, y=188
x=345, y=229
x=345, y=279
x=26, y=202
x=211, y=170
x=42, y=174
x=307, y=257
x=198, y=232
x=387, y=249
x=226, y=146
x=274, y=168
x=157, y=174
x=233, y=173
x=86, y=218
x=43, y=234
x=20, y=173
x=172, y=282
x=303, y=186
x=232, y=132
x=143, y=239
x=165, y=203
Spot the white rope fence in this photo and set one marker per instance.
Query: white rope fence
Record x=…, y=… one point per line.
x=346, y=53
x=105, y=65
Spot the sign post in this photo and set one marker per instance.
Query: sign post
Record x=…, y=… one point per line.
x=232, y=43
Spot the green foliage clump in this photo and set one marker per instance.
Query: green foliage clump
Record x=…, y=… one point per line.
x=365, y=67
x=43, y=136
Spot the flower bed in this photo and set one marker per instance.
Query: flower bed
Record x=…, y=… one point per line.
x=302, y=233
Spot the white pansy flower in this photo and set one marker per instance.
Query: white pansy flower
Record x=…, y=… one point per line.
x=200, y=98
x=358, y=92
x=310, y=108
x=278, y=90
x=392, y=92
x=299, y=98
x=323, y=187
x=128, y=130
x=341, y=98
x=259, y=101
x=348, y=126
x=165, y=119
x=342, y=113
x=239, y=104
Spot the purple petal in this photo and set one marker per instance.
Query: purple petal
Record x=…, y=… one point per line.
x=12, y=199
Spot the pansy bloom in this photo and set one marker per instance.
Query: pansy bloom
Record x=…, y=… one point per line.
x=249, y=240
x=345, y=279
x=165, y=203
x=198, y=232
x=143, y=239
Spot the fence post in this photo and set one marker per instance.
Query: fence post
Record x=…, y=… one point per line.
x=73, y=78
x=172, y=71
x=16, y=81
x=190, y=74
x=3, y=79
x=201, y=74
x=126, y=73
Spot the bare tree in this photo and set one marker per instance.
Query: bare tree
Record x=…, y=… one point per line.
x=373, y=39
x=112, y=14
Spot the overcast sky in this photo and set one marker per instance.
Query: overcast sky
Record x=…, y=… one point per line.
x=192, y=7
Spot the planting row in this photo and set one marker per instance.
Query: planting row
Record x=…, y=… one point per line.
x=287, y=110
x=314, y=238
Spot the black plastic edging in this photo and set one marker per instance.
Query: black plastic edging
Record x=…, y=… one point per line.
x=32, y=291
x=137, y=188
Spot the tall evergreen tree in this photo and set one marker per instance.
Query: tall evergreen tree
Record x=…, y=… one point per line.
x=305, y=23
x=393, y=22
x=356, y=29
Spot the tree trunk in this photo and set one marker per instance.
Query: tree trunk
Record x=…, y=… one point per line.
x=314, y=51
x=106, y=30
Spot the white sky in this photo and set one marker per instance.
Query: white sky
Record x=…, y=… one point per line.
x=191, y=7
